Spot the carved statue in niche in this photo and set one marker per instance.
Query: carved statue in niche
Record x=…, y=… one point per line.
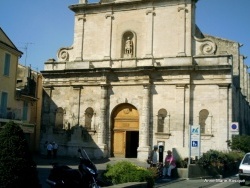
x=129, y=47
x=128, y=44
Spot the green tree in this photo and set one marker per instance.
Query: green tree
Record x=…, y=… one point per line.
x=17, y=168
x=241, y=143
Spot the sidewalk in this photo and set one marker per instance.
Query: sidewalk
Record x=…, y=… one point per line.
x=101, y=164
x=44, y=166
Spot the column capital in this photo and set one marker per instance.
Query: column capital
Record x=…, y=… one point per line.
x=181, y=86
x=146, y=85
x=104, y=86
x=81, y=17
x=150, y=12
x=182, y=8
x=224, y=86
x=76, y=87
x=109, y=16
x=47, y=88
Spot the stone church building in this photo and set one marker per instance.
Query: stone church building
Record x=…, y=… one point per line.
x=139, y=73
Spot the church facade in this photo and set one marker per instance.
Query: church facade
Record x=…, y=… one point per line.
x=138, y=74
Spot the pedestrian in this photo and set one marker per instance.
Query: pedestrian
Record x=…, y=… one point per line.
x=153, y=157
x=55, y=148
x=45, y=147
x=49, y=150
x=169, y=164
x=45, y=144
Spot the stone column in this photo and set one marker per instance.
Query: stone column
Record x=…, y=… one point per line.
x=180, y=104
x=144, y=148
x=47, y=116
x=182, y=30
x=51, y=114
x=149, y=36
x=102, y=124
x=76, y=137
x=79, y=36
x=223, y=128
x=230, y=109
x=77, y=103
x=102, y=131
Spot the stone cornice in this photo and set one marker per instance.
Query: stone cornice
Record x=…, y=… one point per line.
x=10, y=49
x=105, y=6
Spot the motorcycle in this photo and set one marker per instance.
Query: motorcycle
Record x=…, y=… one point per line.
x=62, y=176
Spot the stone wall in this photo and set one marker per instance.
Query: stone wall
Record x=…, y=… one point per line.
x=154, y=58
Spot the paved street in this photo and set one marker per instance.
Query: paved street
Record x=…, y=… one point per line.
x=43, y=166
x=231, y=182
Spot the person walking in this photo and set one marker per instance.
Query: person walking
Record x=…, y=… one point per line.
x=153, y=157
x=55, y=148
x=49, y=150
x=169, y=164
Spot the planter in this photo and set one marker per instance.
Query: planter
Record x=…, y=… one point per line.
x=196, y=171
x=182, y=172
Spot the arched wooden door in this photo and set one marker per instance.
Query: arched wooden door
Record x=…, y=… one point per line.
x=125, y=138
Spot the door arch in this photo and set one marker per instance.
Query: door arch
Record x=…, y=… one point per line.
x=125, y=133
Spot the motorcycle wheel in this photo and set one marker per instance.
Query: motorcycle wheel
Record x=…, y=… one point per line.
x=95, y=186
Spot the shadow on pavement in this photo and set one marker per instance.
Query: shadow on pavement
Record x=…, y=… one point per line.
x=44, y=165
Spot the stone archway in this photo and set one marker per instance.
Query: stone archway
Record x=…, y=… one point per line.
x=125, y=133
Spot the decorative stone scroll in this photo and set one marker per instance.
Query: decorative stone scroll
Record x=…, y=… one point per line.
x=207, y=46
x=63, y=54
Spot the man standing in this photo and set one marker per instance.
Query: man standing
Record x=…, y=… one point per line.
x=49, y=150
x=55, y=148
x=154, y=156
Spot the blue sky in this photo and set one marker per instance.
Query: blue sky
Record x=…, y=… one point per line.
x=40, y=28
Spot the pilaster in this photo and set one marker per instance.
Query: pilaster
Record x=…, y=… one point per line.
x=79, y=36
x=144, y=148
x=102, y=124
x=102, y=151
x=223, y=114
x=108, y=35
x=182, y=30
x=149, y=36
x=180, y=103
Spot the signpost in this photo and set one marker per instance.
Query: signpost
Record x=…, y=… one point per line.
x=234, y=127
x=194, y=141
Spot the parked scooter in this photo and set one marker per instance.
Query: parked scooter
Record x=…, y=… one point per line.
x=62, y=176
